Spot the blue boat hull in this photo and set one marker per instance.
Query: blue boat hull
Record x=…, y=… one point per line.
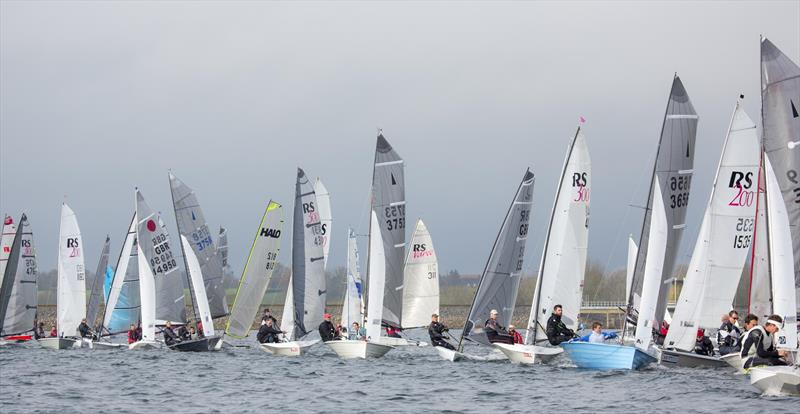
x=606, y=356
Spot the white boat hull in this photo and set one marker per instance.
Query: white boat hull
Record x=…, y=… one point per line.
x=449, y=354
x=57, y=343
x=293, y=348
x=358, y=349
x=783, y=380
x=395, y=342
x=143, y=345
x=528, y=354
x=735, y=361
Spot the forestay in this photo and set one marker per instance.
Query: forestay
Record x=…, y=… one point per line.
x=500, y=279
x=192, y=224
x=421, y=280
x=155, y=245
x=18, y=293
x=563, y=264
x=389, y=205
x=258, y=268
x=308, y=261
x=123, y=304
x=780, y=102
x=665, y=217
x=724, y=240
x=96, y=292
x=71, y=305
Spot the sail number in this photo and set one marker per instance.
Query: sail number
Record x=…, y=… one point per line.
x=792, y=176
x=202, y=238
x=743, y=225
x=395, y=217
x=163, y=261
x=679, y=186
x=272, y=260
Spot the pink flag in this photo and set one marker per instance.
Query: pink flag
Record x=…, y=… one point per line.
x=583, y=120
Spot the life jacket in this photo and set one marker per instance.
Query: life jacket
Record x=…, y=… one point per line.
x=752, y=350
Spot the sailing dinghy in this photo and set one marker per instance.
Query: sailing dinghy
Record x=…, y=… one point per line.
x=563, y=265
x=95, y=298
x=71, y=289
x=721, y=249
x=780, y=86
x=385, y=256
x=305, y=298
x=501, y=277
x=664, y=221
x=18, y=299
x=261, y=262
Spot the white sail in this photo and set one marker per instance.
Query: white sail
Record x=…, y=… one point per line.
x=760, y=283
x=6, y=240
x=71, y=302
x=129, y=311
x=563, y=263
x=287, y=317
x=376, y=277
x=633, y=250
x=147, y=292
x=18, y=298
x=651, y=283
x=353, y=303
x=325, y=218
x=724, y=240
x=196, y=275
x=784, y=301
x=421, y=280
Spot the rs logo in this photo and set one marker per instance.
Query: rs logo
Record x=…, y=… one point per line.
x=579, y=179
x=419, y=247
x=72, y=242
x=737, y=177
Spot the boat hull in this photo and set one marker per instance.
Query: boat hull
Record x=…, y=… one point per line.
x=606, y=356
x=57, y=343
x=143, y=345
x=676, y=358
x=784, y=380
x=449, y=354
x=205, y=344
x=293, y=348
x=528, y=354
x=734, y=360
x=358, y=349
x=395, y=342
x=104, y=346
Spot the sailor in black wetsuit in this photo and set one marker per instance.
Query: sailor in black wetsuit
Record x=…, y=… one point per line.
x=765, y=342
x=752, y=334
x=326, y=329
x=84, y=329
x=703, y=345
x=556, y=331
x=496, y=332
x=170, y=337
x=436, y=331
x=729, y=335
x=267, y=333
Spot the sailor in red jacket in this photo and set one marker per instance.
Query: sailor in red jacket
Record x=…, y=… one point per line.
x=517, y=336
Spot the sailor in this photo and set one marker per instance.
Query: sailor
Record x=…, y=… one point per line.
x=53, y=332
x=267, y=333
x=268, y=315
x=728, y=335
x=139, y=331
x=766, y=353
x=752, y=335
x=193, y=333
x=357, y=333
x=183, y=333
x=703, y=345
x=40, y=330
x=170, y=338
x=392, y=332
x=496, y=332
x=200, y=333
x=133, y=335
x=514, y=334
x=556, y=331
x=436, y=331
x=84, y=329
x=597, y=333
x=326, y=329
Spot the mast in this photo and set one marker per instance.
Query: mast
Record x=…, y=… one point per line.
x=535, y=308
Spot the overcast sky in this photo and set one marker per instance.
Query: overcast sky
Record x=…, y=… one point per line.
x=96, y=98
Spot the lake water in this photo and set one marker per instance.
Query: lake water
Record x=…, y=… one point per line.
x=405, y=380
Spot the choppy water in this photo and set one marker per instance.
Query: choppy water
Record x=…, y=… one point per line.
x=405, y=380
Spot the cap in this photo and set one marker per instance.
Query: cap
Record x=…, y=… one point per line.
x=493, y=312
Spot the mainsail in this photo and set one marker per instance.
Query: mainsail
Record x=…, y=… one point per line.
x=155, y=245
x=500, y=279
x=353, y=303
x=192, y=225
x=123, y=304
x=780, y=110
x=325, y=218
x=665, y=217
x=563, y=264
x=760, y=289
x=71, y=303
x=308, y=260
x=6, y=240
x=724, y=239
x=257, y=271
x=389, y=205
x=421, y=285
x=18, y=299
x=96, y=292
